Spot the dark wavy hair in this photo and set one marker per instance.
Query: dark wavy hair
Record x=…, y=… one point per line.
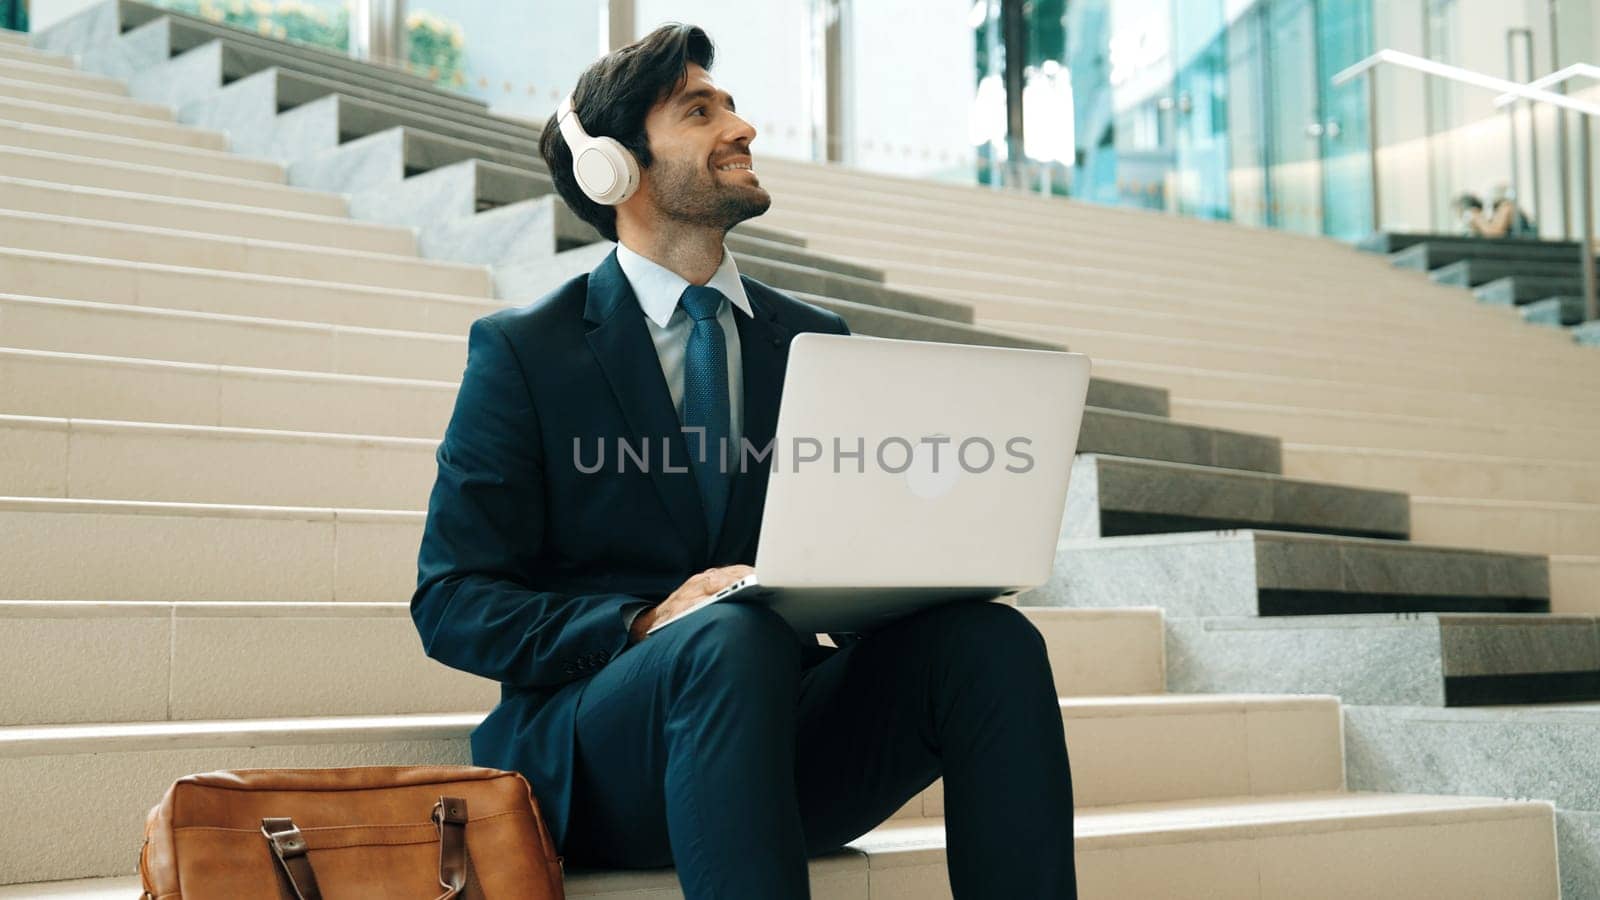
x=611, y=100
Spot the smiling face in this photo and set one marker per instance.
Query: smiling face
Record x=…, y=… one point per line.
x=702, y=172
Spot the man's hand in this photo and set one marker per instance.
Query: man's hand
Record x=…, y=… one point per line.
x=693, y=591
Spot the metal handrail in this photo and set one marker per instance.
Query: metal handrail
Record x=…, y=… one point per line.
x=1507, y=89
x=1576, y=70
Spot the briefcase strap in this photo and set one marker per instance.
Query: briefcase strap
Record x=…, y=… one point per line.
x=289, y=848
x=449, y=816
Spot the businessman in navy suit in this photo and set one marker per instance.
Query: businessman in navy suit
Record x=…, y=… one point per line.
x=723, y=743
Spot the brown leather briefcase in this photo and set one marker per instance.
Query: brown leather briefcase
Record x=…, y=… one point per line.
x=390, y=832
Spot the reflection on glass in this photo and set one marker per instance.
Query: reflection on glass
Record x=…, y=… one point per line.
x=318, y=23
x=521, y=58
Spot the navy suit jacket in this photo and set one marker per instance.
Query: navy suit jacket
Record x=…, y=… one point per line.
x=527, y=564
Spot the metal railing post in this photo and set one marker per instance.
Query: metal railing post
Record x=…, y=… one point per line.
x=1591, y=304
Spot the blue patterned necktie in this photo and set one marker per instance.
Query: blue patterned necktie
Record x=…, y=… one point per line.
x=705, y=401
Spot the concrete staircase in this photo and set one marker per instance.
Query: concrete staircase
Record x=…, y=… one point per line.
x=222, y=379
x=1541, y=279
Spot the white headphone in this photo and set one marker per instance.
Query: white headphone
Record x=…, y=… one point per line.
x=605, y=169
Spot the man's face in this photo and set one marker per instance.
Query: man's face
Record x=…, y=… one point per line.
x=702, y=172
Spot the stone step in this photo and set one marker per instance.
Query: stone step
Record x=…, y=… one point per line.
x=1285, y=847
x=1366, y=370
x=1526, y=526
x=203, y=217
x=382, y=171
x=1518, y=289
x=13, y=38
x=73, y=100
x=801, y=278
x=97, y=662
x=21, y=52
x=1098, y=307
x=817, y=190
x=135, y=460
x=56, y=76
x=1532, y=751
x=111, y=148
x=930, y=251
x=1249, y=573
x=1111, y=496
x=170, y=552
x=1575, y=584
x=956, y=265
x=741, y=241
x=1239, y=386
x=93, y=121
x=196, y=72
x=56, y=234
x=101, y=280
x=1396, y=432
x=1126, y=750
x=1442, y=474
x=181, y=31
x=1554, y=311
x=71, y=277
x=1420, y=659
x=1586, y=334
x=317, y=114
x=1435, y=254
x=1390, y=242
x=1473, y=272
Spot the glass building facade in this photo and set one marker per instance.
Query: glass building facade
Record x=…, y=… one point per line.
x=1216, y=109
x=1219, y=109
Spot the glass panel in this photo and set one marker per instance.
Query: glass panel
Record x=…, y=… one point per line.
x=1344, y=29
x=1200, y=109
x=1295, y=145
x=1141, y=100
x=1247, y=127
x=1088, y=61
x=484, y=49
x=318, y=23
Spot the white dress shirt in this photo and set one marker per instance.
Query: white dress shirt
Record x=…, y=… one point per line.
x=658, y=290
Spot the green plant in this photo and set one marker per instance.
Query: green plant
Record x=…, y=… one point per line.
x=292, y=20
x=437, y=45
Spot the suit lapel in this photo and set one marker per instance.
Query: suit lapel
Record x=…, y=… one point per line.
x=627, y=356
x=764, y=352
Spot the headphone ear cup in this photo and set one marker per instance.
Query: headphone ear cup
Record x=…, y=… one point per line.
x=606, y=171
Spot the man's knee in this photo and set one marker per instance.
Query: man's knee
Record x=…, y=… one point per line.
x=739, y=638
x=989, y=635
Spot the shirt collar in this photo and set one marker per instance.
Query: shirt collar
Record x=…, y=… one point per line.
x=658, y=287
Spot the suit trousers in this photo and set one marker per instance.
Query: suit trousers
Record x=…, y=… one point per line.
x=714, y=745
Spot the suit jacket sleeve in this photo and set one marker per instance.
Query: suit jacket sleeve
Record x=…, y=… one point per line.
x=478, y=605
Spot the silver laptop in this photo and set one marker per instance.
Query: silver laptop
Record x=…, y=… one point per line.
x=906, y=474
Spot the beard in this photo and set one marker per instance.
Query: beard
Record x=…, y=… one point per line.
x=692, y=194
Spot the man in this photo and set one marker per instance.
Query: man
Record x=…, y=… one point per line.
x=723, y=743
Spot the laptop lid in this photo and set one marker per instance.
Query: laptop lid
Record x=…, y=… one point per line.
x=918, y=464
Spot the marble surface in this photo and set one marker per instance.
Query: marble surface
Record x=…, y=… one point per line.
x=1136, y=398
x=1362, y=659
x=91, y=27
x=796, y=277
x=130, y=54
x=1117, y=433
x=511, y=234
x=1225, y=572
x=528, y=281
x=246, y=110
x=373, y=163
x=1546, y=753
x=1229, y=498
x=183, y=79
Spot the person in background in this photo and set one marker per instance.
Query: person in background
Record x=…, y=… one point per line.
x=1504, y=218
